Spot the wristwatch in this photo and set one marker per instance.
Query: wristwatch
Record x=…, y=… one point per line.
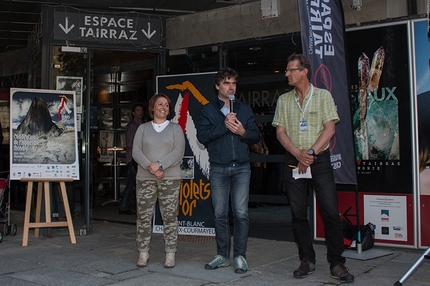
x=312, y=151
x=159, y=165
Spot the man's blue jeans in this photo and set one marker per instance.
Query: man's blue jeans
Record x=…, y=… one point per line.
x=130, y=187
x=231, y=183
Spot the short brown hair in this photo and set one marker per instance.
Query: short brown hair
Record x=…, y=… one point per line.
x=224, y=73
x=151, y=104
x=304, y=62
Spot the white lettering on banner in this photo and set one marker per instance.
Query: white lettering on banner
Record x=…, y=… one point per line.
x=188, y=230
x=257, y=98
x=107, y=33
x=96, y=21
x=102, y=27
x=127, y=28
x=336, y=161
x=192, y=223
x=386, y=94
x=321, y=26
x=336, y=165
x=196, y=230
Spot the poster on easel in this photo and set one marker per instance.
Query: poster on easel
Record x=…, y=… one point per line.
x=43, y=141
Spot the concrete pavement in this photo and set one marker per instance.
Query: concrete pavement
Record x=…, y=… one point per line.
x=108, y=256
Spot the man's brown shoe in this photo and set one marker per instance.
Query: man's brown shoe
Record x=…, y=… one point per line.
x=341, y=272
x=305, y=268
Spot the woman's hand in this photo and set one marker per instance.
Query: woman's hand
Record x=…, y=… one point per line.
x=159, y=174
x=155, y=170
x=153, y=166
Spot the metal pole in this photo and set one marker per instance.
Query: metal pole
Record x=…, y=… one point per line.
x=88, y=178
x=426, y=255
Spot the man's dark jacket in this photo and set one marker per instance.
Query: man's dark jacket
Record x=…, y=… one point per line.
x=226, y=148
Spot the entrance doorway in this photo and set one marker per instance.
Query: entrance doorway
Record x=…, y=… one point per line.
x=120, y=79
x=115, y=81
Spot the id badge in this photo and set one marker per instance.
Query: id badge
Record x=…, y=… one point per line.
x=303, y=125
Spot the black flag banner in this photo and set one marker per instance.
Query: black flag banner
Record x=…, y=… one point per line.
x=322, y=32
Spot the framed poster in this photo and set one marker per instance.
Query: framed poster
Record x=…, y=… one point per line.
x=381, y=97
x=187, y=167
x=43, y=136
x=4, y=120
x=379, y=70
x=388, y=215
x=422, y=87
x=188, y=93
x=72, y=83
x=106, y=141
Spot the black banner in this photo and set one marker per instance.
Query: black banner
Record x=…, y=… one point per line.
x=189, y=93
x=381, y=104
x=322, y=30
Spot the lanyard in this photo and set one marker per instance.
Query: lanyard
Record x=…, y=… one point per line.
x=298, y=105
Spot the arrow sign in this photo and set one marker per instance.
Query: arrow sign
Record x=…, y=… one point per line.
x=149, y=34
x=109, y=28
x=66, y=29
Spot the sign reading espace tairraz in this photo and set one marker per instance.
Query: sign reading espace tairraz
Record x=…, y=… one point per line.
x=109, y=28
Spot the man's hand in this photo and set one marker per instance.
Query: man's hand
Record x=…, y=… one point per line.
x=305, y=160
x=234, y=125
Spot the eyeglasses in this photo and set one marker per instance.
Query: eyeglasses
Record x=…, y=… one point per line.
x=294, y=69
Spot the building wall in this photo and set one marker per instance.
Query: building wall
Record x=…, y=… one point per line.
x=244, y=21
x=13, y=62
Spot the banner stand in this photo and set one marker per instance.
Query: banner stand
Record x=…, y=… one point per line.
x=417, y=264
x=48, y=223
x=366, y=255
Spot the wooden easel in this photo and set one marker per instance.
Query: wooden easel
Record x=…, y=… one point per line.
x=44, y=184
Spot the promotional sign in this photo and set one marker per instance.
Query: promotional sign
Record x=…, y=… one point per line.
x=422, y=87
x=388, y=215
x=43, y=137
x=188, y=93
x=109, y=28
x=380, y=92
x=322, y=31
x=381, y=97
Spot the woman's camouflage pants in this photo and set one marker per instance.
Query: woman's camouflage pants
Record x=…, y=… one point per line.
x=167, y=192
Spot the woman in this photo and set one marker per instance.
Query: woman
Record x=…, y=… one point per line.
x=158, y=148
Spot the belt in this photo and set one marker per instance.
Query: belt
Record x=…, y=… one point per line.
x=322, y=152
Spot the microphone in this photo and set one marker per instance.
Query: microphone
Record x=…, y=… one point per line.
x=231, y=98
